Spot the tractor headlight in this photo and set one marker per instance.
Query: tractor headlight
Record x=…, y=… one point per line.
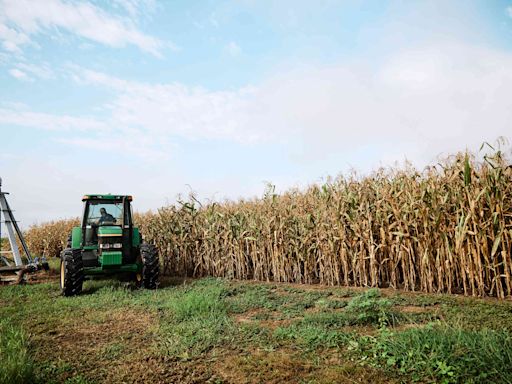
x=107, y=246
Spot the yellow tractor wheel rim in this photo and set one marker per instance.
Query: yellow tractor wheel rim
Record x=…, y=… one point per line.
x=62, y=270
x=139, y=277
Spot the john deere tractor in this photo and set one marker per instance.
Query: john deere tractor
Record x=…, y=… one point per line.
x=107, y=243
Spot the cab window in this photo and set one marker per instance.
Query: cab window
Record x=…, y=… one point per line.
x=113, y=213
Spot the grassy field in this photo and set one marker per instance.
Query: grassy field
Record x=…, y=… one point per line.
x=220, y=331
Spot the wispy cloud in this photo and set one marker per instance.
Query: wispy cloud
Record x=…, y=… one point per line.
x=27, y=72
x=426, y=96
x=175, y=109
x=509, y=11
x=135, y=8
x=415, y=104
x=88, y=132
x=26, y=118
x=11, y=39
x=18, y=74
x=21, y=19
x=233, y=49
x=128, y=142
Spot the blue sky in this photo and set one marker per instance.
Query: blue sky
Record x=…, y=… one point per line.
x=219, y=97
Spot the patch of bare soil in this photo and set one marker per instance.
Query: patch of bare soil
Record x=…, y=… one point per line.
x=289, y=366
x=28, y=277
x=417, y=308
x=248, y=317
x=272, y=322
x=259, y=366
x=404, y=327
x=42, y=276
x=116, y=348
x=160, y=370
x=111, y=348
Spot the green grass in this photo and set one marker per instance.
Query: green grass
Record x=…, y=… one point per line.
x=196, y=320
x=445, y=354
x=16, y=365
x=225, y=331
x=310, y=336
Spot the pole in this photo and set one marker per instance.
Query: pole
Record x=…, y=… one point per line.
x=1, y=241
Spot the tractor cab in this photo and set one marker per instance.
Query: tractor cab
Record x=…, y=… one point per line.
x=106, y=214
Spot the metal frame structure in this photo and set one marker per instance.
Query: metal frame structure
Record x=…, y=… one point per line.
x=12, y=231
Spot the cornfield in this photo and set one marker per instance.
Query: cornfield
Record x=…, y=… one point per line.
x=447, y=229
x=49, y=239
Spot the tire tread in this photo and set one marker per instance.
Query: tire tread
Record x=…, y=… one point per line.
x=74, y=272
x=151, y=266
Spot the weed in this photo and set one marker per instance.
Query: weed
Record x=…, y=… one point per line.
x=310, y=336
x=78, y=380
x=370, y=308
x=113, y=351
x=198, y=302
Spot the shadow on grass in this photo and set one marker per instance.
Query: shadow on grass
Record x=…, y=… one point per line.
x=94, y=285
x=175, y=281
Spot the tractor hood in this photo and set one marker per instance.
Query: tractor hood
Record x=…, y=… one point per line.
x=110, y=246
x=109, y=230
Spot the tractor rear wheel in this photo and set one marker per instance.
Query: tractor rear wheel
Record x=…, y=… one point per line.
x=151, y=267
x=71, y=272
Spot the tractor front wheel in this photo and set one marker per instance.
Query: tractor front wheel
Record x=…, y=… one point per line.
x=151, y=267
x=71, y=272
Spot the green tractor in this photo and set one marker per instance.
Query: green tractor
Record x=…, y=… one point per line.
x=107, y=243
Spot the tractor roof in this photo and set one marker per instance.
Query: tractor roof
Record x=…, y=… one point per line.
x=107, y=196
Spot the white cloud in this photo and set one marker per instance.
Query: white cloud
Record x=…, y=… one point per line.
x=10, y=39
x=22, y=71
x=509, y=11
x=19, y=19
x=21, y=117
x=165, y=110
x=134, y=8
x=43, y=71
x=131, y=142
x=233, y=49
x=441, y=98
x=20, y=75
x=88, y=132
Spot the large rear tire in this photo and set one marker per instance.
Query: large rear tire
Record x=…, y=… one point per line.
x=71, y=272
x=151, y=266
